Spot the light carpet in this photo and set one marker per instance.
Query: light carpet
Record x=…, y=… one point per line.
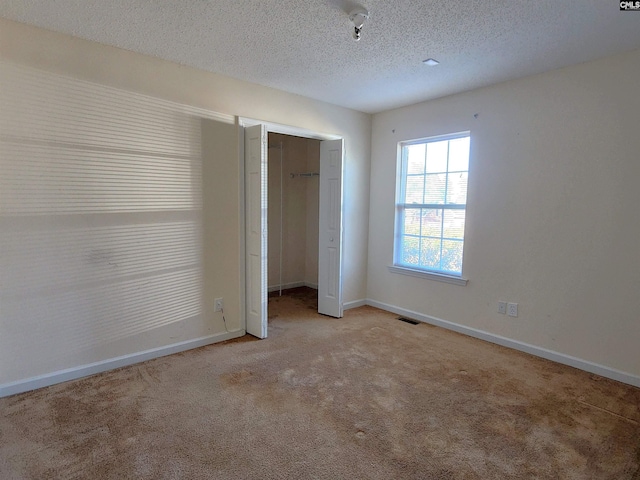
x=363, y=397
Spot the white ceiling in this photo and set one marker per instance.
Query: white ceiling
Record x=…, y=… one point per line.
x=305, y=46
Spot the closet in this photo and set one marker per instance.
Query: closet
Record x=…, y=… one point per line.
x=293, y=206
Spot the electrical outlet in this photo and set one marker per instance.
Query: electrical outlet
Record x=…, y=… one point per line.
x=502, y=308
x=512, y=309
x=218, y=305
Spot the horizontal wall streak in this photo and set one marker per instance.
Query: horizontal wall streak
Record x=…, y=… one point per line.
x=113, y=312
x=32, y=383
x=89, y=259
x=61, y=180
x=60, y=108
x=87, y=147
x=126, y=100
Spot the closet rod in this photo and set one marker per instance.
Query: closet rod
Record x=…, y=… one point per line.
x=310, y=174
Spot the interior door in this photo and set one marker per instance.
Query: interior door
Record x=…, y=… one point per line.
x=255, y=157
x=330, y=241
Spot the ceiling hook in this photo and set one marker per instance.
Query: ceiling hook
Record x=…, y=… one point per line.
x=358, y=17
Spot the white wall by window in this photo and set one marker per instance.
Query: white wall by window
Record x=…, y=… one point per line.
x=552, y=210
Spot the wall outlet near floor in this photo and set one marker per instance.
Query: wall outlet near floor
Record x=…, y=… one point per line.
x=218, y=305
x=512, y=309
x=502, y=308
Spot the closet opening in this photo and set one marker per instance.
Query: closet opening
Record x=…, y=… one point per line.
x=299, y=216
x=293, y=173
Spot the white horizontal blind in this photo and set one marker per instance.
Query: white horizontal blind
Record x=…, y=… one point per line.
x=100, y=219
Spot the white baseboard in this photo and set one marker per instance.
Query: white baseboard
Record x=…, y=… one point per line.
x=354, y=304
x=60, y=376
x=286, y=286
x=74, y=373
x=585, y=365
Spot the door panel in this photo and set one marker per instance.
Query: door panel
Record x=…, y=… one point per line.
x=256, y=229
x=330, y=241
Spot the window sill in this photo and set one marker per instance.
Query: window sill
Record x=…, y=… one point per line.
x=439, y=277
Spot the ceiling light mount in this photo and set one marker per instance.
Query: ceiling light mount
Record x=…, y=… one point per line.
x=358, y=17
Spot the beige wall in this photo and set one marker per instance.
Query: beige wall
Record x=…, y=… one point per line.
x=101, y=223
x=220, y=176
x=139, y=73
x=299, y=210
x=552, y=210
x=132, y=72
x=313, y=214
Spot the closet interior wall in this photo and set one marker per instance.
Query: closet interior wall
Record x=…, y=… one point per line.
x=293, y=212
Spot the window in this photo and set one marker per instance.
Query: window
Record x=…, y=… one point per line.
x=431, y=205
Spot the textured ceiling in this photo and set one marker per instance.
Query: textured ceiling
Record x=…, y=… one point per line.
x=305, y=46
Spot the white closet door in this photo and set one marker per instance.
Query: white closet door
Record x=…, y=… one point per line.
x=330, y=241
x=256, y=229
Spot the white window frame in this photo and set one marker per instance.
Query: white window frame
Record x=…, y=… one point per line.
x=398, y=266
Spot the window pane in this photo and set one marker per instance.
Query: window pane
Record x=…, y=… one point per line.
x=412, y=221
x=437, y=156
x=410, y=250
x=452, y=256
x=453, y=225
x=431, y=222
x=415, y=189
x=459, y=154
x=430, y=253
x=457, y=187
x=434, y=172
x=435, y=187
x=415, y=158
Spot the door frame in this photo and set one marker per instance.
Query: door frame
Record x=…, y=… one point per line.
x=271, y=127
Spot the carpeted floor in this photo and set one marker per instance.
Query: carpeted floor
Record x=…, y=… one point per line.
x=363, y=397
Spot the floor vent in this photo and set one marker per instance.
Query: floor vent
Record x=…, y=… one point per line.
x=409, y=320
